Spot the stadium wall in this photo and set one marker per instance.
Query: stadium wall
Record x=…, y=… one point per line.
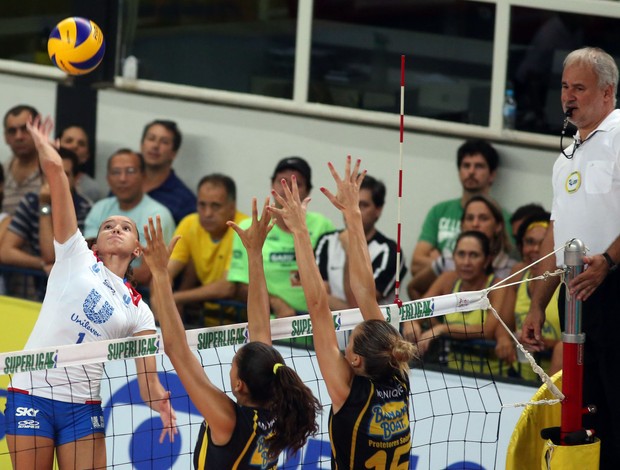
x=247, y=143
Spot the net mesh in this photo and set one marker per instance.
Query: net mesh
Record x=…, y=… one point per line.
x=455, y=415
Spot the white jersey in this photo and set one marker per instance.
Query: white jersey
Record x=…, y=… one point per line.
x=586, y=190
x=84, y=302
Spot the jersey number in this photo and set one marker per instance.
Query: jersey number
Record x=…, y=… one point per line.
x=80, y=338
x=378, y=460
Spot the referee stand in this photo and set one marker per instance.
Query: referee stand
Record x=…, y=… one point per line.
x=571, y=446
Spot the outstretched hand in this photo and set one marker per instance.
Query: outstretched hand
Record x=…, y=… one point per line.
x=40, y=130
x=168, y=418
x=348, y=187
x=292, y=209
x=254, y=236
x=156, y=254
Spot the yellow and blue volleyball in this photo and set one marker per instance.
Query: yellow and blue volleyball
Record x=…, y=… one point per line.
x=76, y=45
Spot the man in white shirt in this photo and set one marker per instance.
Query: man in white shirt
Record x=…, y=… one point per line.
x=586, y=205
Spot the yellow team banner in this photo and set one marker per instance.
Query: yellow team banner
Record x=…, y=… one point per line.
x=17, y=318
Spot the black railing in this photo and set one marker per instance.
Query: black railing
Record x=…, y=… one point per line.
x=25, y=283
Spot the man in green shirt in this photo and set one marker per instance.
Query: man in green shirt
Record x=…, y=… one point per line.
x=286, y=295
x=477, y=162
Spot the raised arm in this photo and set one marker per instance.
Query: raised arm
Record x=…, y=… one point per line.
x=46, y=230
x=214, y=405
x=335, y=369
x=154, y=394
x=362, y=281
x=258, y=298
x=64, y=219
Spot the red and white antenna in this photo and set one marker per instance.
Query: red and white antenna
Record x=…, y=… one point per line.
x=397, y=299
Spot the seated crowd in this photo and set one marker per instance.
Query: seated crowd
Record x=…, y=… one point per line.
x=465, y=243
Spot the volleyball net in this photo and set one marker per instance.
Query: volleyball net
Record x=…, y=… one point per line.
x=455, y=413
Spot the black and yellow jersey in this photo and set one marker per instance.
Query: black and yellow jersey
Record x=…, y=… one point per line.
x=371, y=430
x=246, y=448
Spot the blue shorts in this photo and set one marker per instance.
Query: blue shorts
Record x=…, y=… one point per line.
x=63, y=422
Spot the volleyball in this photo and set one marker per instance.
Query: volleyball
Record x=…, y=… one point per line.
x=76, y=45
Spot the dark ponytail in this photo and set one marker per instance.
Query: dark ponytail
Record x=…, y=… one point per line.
x=295, y=409
x=276, y=387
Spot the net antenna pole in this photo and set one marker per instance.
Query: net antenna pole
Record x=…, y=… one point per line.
x=573, y=348
x=397, y=299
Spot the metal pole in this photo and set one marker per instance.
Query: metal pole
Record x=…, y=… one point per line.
x=573, y=339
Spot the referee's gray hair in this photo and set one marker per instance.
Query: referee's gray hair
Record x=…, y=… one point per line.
x=603, y=65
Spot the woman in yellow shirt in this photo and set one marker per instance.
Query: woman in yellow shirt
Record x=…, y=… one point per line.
x=472, y=258
x=517, y=302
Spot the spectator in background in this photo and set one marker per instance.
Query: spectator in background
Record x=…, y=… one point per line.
x=332, y=259
x=5, y=219
x=517, y=301
x=522, y=213
x=21, y=171
x=286, y=296
x=477, y=163
x=29, y=242
x=472, y=256
x=483, y=214
x=160, y=143
x=206, y=244
x=75, y=138
x=126, y=173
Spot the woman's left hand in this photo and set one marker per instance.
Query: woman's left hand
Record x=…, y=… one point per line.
x=156, y=253
x=254, y=236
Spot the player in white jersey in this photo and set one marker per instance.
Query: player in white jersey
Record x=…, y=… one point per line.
x=88, y=299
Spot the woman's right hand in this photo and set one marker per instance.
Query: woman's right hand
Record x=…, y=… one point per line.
x=292, y=209
x=348, y=187
x=254, y=236
x=40, y=130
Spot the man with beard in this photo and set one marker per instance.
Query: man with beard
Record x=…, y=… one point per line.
x=477, y=162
